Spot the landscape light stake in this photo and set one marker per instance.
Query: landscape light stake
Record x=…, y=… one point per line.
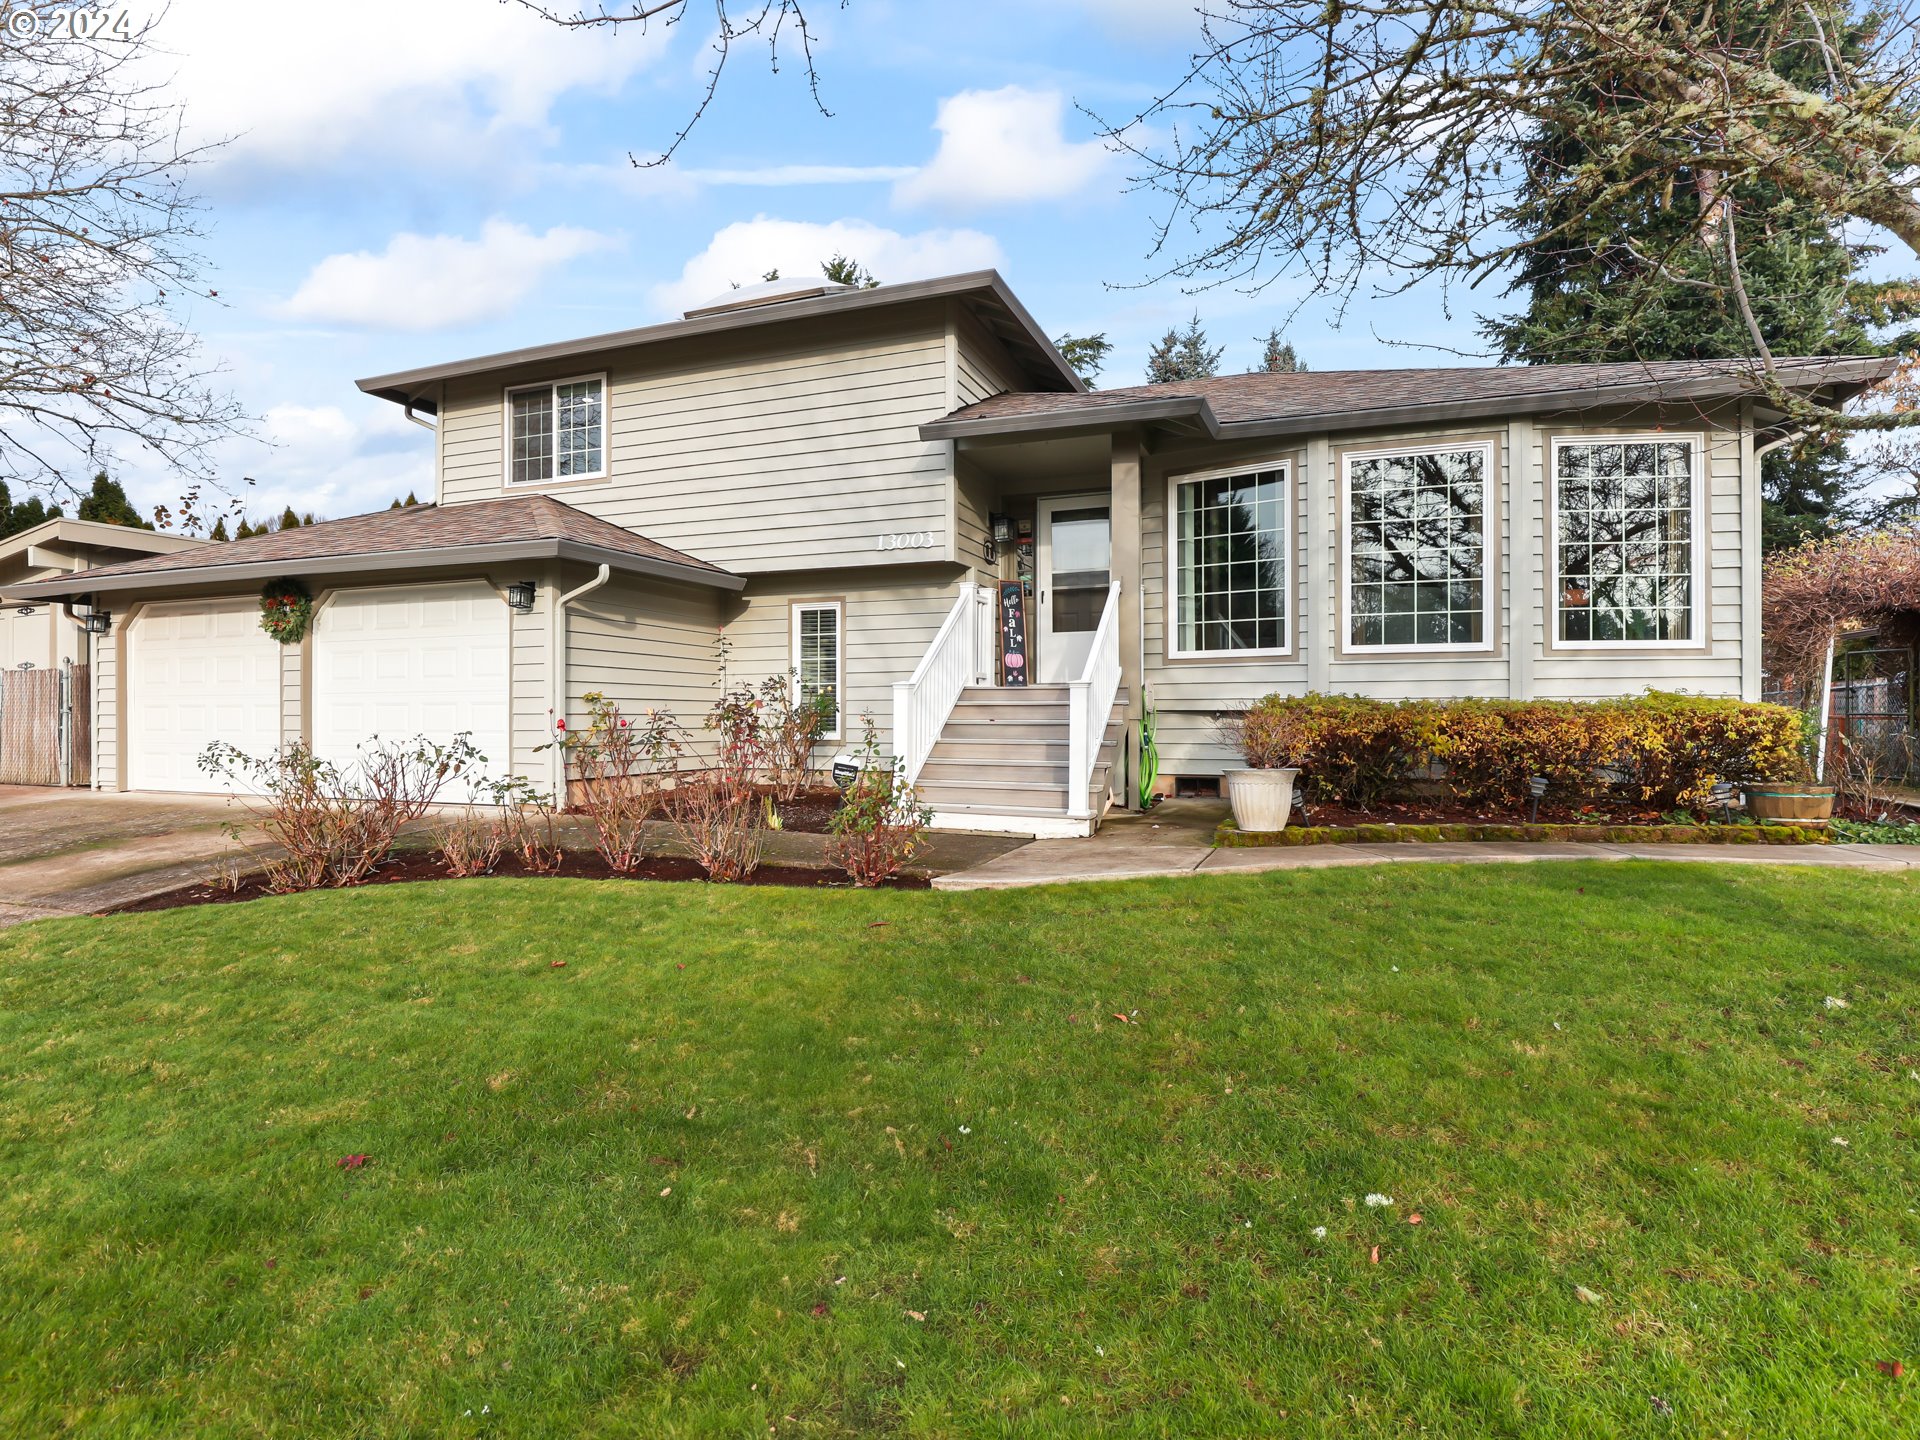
x=1536, y=787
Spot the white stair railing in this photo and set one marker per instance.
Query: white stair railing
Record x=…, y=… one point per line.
x=953, y=661
x=1090, y=703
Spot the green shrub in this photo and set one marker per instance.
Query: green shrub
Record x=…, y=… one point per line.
x=1658, y=749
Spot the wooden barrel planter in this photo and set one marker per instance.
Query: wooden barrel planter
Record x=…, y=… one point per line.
x=1790, y=804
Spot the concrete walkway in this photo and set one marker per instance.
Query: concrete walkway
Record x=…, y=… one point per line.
x=1175, y=839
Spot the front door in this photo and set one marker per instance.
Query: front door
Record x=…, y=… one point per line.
x=1073, y=554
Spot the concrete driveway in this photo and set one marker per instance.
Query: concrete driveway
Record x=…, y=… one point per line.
x=72, y=852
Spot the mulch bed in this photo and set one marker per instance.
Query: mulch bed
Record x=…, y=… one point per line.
x=410, y=867
x=809, y=812
x=1441, y=810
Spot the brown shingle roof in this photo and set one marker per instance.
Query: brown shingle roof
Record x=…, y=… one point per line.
x=528, y=525
x=1354, y=396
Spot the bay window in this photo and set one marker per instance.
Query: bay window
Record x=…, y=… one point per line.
x=1416, y=537
x=1230, y=563
x=1626, y=528
x=557, y=431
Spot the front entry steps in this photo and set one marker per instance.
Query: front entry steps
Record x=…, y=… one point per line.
x=1000, y=764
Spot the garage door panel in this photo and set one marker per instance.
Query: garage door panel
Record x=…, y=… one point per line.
x=198, y=673
x=408, y=661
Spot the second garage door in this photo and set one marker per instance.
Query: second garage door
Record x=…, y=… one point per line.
x=402, y=661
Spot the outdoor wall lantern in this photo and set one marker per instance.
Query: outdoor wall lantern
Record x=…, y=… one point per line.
x=520, y=596
x=1002, y=529
x=1536, y=787
x=99, y=622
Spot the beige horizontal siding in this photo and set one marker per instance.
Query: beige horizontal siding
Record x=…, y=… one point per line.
x=801, y=453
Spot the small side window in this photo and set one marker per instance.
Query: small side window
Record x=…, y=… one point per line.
x=816, y=658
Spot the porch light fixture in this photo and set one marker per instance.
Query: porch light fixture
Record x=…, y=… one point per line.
x=520, y=596
x=1536, y=787
x=99, y=622
x=1002, y=526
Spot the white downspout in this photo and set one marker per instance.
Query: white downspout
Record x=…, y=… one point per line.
x=557, y=665
x=1826, y=714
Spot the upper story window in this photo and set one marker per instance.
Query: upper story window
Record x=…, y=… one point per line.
x=1627, y=530
x=1230, y=563
x=557, y=431
x=1416, y=537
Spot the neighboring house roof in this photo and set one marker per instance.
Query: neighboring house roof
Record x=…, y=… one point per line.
x=1320, y=400
x=521, y=527
x=982, y=291
x=59, y=545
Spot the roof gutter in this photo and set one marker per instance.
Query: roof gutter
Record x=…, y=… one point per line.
x=545, y=548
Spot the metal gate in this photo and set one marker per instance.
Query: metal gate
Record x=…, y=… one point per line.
x=46, y=729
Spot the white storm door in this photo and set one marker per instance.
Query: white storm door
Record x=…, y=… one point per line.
x=405, y=661
x=1073, y=558
x=198, y=671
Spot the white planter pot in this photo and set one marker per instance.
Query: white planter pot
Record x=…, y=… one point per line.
x=1262, y=799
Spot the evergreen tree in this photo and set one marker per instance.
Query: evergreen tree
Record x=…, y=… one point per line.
x=32, y=511
x=247, y=529
x=1183, y=355
x=845, y=270
x=307, y=519
x=1277, y=356
x=412, y=500
x=219, y=531
x=107, y=504
x=1648, y=277
x=1085, y=354
x=289, y=519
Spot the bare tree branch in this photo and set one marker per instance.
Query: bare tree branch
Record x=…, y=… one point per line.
x=770, y=20
x=96, y=230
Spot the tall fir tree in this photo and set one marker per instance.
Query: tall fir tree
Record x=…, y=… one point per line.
x=1648, y=277
x=219, y=531
x=107, y=504
x=1278, y=357
x=1183, y=355
x=1086, y=355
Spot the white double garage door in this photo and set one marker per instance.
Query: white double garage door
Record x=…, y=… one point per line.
x=390, y=663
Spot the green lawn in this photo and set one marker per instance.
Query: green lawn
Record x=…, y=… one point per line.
x=768, y=1162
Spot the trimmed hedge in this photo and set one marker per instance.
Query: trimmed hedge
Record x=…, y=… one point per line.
x=1659, y=749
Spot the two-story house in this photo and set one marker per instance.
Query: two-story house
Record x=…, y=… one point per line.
x=903, y=497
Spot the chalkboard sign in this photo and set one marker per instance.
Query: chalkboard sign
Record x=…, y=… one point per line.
x=1013, y=633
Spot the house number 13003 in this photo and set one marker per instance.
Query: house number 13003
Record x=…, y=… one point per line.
x=909, y=540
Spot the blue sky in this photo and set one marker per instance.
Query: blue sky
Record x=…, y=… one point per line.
x=419, y=181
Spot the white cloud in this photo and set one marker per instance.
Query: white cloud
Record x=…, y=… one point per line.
x=1156, y=20
x=375, y=83
x=1002, y=146
x=432, y=282
x=746, y=250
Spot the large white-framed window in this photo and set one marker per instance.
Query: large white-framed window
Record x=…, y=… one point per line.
x=557, y=431
x=1628, y=552
x=817, y=657
x=1228, y=533
x=1416, y=547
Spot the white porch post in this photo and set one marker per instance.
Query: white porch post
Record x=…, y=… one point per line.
x=1124, y=512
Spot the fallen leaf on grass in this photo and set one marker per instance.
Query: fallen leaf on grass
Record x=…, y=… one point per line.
x=820, y=1309
x=1122, y=1019
x=878, y=924
x=1893, y=1368
x=916, y=1315
x=353, y=1162
x=1415, y=1218
x=666, y=1192
x=558, y=965
x=1374, y=1257
x=1586, y=1296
